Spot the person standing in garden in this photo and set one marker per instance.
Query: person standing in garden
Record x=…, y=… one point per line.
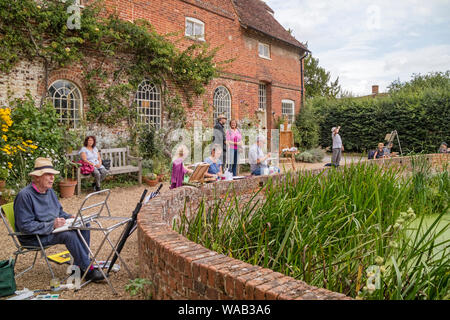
x=219, y=137
x=234, y=141
x=338, y=147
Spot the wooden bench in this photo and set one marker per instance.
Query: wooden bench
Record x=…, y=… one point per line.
x=120, y=163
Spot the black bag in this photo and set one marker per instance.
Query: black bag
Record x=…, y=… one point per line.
x=106, y=163
x=7, y=280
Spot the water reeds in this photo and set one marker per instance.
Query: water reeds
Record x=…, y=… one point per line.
x=358, y=230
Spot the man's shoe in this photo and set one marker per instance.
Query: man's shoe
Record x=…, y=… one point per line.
x=94, y=275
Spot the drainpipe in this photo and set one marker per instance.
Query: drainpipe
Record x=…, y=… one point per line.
x=301, y=78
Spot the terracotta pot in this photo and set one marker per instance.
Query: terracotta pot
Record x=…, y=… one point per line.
x=2, y=184
x=67, y=188
x=151, y=183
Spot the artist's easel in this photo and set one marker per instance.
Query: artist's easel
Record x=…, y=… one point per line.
x=198, y=176
x=390, y=139
x=287, y=142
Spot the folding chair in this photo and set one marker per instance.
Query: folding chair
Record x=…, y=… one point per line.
x=9, y=221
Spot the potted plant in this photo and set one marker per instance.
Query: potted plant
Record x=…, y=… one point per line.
x=151, y=179
x=3, y=176
x=67, y=185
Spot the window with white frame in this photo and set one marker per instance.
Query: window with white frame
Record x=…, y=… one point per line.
x=67, y=100
x=148, y=104
x=262, y=96
x=222, y=102
x=264, y=50
x=195, y=29
x=287, y=109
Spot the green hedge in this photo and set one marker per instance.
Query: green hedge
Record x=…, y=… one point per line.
x=421, y=119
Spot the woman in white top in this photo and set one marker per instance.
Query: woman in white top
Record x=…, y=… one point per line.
x=90, y=154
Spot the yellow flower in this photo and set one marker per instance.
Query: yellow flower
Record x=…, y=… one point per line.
x=5, y=138
x=22, y=149
x=10, y=165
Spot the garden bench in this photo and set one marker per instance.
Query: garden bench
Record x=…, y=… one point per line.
x=120, y=163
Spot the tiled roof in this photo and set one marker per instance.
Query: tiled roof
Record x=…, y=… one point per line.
x=257, y=15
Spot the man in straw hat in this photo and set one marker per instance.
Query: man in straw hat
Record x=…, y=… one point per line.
x=220, y=138
x=38, y=211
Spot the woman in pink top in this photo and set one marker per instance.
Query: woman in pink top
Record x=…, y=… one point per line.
x=234, y=142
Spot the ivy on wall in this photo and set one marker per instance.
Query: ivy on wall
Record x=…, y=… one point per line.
x=39, y=30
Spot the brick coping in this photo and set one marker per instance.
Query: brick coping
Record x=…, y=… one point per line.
x=182, y=269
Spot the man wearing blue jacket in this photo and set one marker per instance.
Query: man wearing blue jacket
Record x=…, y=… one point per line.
x=38, y=211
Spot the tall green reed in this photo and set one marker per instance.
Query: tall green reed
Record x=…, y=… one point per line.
x=328, y=229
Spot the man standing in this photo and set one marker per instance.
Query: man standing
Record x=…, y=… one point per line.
x=38, y=211
x=337, y=146
x=220, y=138
x=256, y=157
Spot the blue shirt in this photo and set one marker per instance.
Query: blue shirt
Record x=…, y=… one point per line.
x=36, y=212
x=214, y=167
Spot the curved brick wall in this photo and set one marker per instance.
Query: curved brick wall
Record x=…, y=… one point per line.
x=182, y=269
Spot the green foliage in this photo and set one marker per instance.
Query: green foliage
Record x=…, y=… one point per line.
x=418, y=110
x=317, y=80
x=4, y=172
x=137, y=286
x=329, y=230
x=146, y=142
x=312, y=155
x=133, y=49
x=306, y=128
x=41, y=126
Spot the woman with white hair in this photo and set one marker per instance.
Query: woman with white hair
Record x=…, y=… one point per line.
x=338, y=147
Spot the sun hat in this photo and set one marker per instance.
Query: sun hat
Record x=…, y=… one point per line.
x=334, y=128
x=221, y=116
x=43, y=165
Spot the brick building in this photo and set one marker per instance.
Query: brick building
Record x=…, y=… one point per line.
x=263, y=81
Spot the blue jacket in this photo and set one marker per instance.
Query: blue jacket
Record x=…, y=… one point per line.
x=35, y=213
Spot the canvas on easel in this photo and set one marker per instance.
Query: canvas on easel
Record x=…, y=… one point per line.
x=199, y=173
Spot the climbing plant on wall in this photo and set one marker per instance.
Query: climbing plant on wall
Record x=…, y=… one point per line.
x=116, y=55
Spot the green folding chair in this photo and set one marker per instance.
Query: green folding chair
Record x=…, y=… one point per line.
x=7, y=213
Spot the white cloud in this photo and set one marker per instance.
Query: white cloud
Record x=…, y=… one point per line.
x=366, y=42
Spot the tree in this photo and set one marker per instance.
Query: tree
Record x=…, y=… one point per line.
x=317, y=80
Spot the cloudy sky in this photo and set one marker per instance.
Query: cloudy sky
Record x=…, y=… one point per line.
x=371, y=42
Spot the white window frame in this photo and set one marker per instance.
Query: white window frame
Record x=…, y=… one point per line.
x=148, y=104
x=221, y=102
x=262, y=96
x=287, y=110
x=195, y=22
x=265, y=52
x=67, y=100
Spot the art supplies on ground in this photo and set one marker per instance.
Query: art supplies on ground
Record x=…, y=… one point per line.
x=60, y=258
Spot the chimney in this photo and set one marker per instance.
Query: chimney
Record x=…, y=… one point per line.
x=375, y=89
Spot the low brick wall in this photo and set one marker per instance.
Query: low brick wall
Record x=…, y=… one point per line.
x=182, y=269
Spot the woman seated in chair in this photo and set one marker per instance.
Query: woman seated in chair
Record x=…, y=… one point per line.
x=90, y=154
x=215, y=164
x=178, y=169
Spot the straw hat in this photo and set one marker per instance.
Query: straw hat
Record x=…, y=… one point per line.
x=43, y=165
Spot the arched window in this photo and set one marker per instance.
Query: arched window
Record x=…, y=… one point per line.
x=222, y=102
x=66, y=98
x=148, y=102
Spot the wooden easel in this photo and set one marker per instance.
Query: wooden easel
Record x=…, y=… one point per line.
x=198, y=176
x=287, y=142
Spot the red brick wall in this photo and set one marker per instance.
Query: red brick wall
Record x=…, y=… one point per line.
x=182, y=269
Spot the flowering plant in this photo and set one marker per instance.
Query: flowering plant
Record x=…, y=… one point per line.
x=3, y=173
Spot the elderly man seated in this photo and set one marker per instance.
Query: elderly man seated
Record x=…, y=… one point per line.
x=38, y=211
x=259, y=161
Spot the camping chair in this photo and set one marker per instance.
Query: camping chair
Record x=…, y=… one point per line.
x=7, y=213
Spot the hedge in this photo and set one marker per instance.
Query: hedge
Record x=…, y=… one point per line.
x=421, y=119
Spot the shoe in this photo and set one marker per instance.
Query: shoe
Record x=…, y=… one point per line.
x=94, y=275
